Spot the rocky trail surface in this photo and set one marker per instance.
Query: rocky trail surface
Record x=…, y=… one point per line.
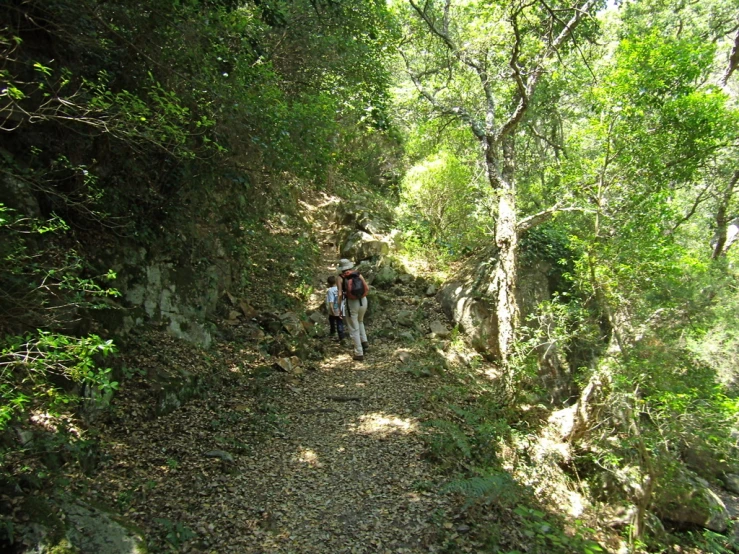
x=327, y=457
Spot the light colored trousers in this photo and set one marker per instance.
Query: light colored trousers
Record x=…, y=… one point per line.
x=355, y=322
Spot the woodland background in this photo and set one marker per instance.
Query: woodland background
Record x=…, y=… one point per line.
x=155, y=156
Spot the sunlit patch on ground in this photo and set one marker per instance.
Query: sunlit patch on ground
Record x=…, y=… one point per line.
x=492, y=372
x=340, y=360
x=383, y=425
x=308, y=456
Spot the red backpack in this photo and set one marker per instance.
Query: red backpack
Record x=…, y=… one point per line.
x=354, y=286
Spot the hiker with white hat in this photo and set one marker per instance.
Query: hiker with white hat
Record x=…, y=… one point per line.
x=354, y=288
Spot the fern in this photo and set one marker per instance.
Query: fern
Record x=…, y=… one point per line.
x=495, y=487
x=454, y=434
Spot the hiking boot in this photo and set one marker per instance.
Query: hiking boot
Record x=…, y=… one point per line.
x=342, y=342
x=365, y=346
x=358, y=358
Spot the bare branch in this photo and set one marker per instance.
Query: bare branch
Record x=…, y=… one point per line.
x=538, y=70
x=698, y=199
x=733, y=60
x=542, y=217
x=455, y=111
x=443, y=34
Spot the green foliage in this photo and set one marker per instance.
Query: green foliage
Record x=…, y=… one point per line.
x=176, y=533
x=33, y=366
x=448, y=440
x=440, y=204
x=547, y=536
x=710, y=541
x=37, y=366
x=280, y=260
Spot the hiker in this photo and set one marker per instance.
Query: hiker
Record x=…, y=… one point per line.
x=353, y=287
x=335, y=310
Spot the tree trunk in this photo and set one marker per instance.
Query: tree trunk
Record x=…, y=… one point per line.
x=506, y=239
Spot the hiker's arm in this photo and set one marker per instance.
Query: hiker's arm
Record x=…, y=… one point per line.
x=340, y=289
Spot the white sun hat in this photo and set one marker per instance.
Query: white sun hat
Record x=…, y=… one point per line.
x=345, y=264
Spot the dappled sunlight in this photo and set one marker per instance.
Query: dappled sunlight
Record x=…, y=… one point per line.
x=419, y=265
x=340, y=360
x=54, y=423
x=492, y=372
x=381, y=424
x=308, y=457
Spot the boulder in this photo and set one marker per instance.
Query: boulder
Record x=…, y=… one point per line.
x=407, y=336
x=439, y=329
x=469, y=300
x=91, y=529
x=317, y=317
x=385, y=277
x=221, y=455
x=704, y=462
x=406, y=278
x=688, y=500
x=474, y=313
x=247, y=310
x=233, y=315
x=292, y=324
x=405, y=318
x=731, y=482
x=363, y=246
x=372, y=226
x=292, y=364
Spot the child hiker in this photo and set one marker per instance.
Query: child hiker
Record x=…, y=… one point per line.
x=335, y=309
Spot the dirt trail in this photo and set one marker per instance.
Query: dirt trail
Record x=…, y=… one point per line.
x=348, y=475
x=327, y=462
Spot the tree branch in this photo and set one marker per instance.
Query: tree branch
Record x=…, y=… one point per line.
x=443, y=34
x=733, y=60
x=542, y=217
x=455, y=111
x=538, y=69
x=693, y=208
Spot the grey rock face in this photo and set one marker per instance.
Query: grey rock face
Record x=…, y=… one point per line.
x=292, y=324
x=221, y=455
x=93, y=530
x=363, y=246
x=385, y=277
x=731, y=482
x=474, y=314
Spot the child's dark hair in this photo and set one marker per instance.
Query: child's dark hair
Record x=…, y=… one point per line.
x=331, y=280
